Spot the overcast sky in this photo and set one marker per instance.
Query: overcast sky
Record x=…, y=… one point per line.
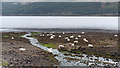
x=60, y=0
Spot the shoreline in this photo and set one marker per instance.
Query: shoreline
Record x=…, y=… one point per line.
x=57, y=30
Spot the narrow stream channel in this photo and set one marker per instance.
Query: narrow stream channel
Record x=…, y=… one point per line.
x=81, y=61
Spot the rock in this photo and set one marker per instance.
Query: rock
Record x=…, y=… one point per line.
x=50, y=50
x=75, y=42
x=79, y=36
x=11, y=43
x=82, y=32
x=71, y=36
x=12, y=38
x=22, y=49
x=90, y=45
x=61, y=46
x=81, y=48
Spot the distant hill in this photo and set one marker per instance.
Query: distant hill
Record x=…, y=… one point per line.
x=60, y=8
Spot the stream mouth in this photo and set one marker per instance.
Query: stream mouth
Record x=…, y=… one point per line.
x=68, y=60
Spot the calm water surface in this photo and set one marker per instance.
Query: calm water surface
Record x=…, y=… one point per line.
x=86, y=22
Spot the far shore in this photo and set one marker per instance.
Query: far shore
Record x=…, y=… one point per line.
x=68, y=30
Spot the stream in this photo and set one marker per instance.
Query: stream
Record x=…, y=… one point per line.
x=81, y=61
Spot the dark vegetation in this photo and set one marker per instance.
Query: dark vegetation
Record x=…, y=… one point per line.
x=60, y=8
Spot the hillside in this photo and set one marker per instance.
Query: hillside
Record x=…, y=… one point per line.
x=60, y=8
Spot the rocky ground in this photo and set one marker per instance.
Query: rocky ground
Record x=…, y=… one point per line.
x=103, y=44
x=19, y=52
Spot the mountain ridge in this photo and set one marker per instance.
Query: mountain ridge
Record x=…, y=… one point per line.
x=60, y=9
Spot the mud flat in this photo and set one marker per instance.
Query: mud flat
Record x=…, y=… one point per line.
x=18, y=51
x=103, y=44
x=52, y=48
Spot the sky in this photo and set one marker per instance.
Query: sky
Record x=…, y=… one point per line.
x=60, y=0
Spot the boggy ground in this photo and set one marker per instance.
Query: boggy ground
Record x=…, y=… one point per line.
x=32, y=56
x=104, y=44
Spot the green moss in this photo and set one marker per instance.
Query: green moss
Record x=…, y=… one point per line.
x=50, y=45
x=15, y=36
x=35, y=33
x=5, y=36
x=34, y=37
x=4, y=64
x=80, y=52
x=108, y=54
